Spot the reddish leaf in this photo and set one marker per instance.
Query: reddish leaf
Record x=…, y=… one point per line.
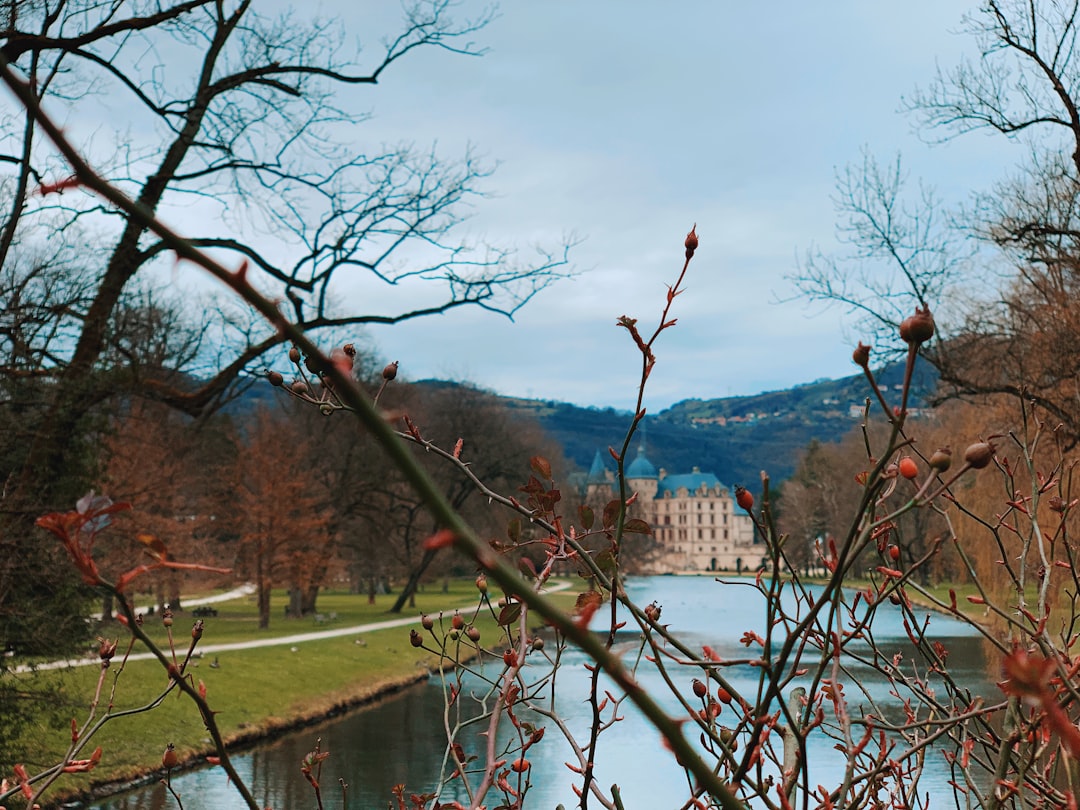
x=637, y=526
x=587, y=604
x=513, y=530
x=611, y=514
x=605, y=561
x=509, y=614
x=587, y=517
x=541, y=467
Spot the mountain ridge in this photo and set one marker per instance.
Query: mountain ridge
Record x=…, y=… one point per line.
x=736, y=438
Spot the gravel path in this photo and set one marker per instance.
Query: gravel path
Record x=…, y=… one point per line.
x=277, y=641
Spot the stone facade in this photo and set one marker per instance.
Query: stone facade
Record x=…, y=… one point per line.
x=696, y=524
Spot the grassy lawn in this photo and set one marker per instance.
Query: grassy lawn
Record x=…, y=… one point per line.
x=252, y=690
x=238, y=620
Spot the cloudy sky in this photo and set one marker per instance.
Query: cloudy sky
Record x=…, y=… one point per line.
x=624, y=122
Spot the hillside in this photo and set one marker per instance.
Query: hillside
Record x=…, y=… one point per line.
x=733, y=437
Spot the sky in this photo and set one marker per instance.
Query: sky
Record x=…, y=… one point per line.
x=625, y=122
x=619, y=124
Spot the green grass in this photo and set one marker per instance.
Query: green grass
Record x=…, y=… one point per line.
x=237, y=620
x=253, y=690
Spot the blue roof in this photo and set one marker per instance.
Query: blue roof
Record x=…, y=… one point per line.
x=598, y=471
x=641, y=467
x=689, y=481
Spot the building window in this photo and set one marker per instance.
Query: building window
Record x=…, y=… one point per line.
x=667, y=520
x=699, y=534
x=725, y=534
x=712, y=534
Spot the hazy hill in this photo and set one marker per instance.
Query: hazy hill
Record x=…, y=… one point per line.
x=733, y=437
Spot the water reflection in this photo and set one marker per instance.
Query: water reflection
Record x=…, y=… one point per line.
x=402, y=741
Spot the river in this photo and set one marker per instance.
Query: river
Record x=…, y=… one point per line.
x=400, y=740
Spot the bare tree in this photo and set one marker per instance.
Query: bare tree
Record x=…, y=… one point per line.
x=250, y=121
x=1002, y=273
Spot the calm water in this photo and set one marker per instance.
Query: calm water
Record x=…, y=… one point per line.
x=401, y=740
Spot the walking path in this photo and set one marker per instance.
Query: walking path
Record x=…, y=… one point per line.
x=296, y=638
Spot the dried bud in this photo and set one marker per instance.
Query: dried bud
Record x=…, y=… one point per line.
x=457, y=621
x=538, y=643
x=743, y=498
x=416, y=639
x=299, y=387
x=275, y=378
x=313, y=365
x=166, y=617
x=197, y=630
x=1056, y=504
x=917, y=328
x=941, y=460
x=349, y=349
x=473, y=633
x=652, y=612
x=861, y=355
x=700, y=689
x=342, y=361
x=691, y=242
x=294, y=355
x=427, y=622
x=169, y=760
x=106, y=649
x=979, y=455
x=481, y=583
x=390, y=371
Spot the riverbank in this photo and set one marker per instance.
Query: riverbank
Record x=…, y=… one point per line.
x=367, y=697
x=260, y=688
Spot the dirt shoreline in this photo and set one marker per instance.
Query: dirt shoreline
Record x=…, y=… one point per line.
x=363, y=697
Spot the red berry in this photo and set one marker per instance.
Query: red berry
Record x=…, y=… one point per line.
x=743, y=498
x=519, y=765
x=908, y=468
x=894, y=552
x=917, y=328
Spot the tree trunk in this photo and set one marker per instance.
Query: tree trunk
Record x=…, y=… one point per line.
x=174, y=592
x=308, y=598
x=262, y=587
x=107, y=607
x=408, y=593
x=371, y=591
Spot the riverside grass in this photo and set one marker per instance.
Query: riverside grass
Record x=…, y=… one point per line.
x=256, y=692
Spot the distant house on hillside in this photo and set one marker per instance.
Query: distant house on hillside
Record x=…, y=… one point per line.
x=695, y=522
